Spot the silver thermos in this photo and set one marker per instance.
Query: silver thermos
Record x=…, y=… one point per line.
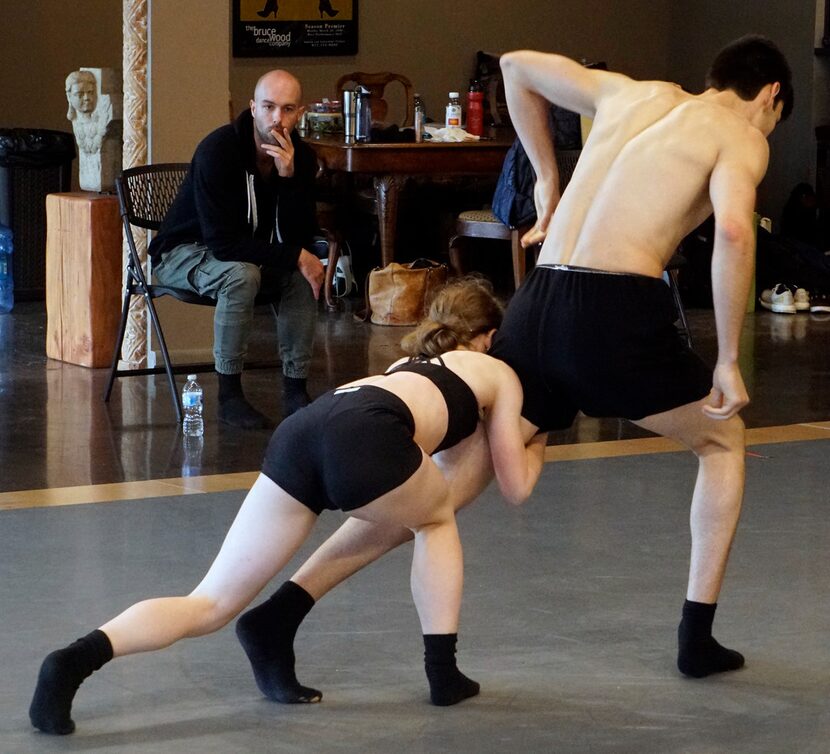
x=348, y=100
x=363, y=114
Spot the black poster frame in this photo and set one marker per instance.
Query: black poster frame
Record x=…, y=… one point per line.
x=310, y=37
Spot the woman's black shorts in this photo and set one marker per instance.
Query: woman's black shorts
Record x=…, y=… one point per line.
x=597, y=342
x=347, y=448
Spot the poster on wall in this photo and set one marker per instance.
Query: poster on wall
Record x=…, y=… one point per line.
x=281, y=28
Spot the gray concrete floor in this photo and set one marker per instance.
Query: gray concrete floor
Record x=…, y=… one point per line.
x=570, y=611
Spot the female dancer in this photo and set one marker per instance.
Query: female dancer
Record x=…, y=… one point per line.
x=419, y=407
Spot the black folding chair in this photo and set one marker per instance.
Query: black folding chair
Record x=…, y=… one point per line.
x=144, y=195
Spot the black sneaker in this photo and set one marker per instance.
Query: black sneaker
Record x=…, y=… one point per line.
x=820, y=302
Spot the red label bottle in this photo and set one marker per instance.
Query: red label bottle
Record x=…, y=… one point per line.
x=475, y=110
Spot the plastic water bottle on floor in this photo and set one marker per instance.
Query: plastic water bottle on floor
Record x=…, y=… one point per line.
x=192, y=448
x=193, y=424
x=6, y=281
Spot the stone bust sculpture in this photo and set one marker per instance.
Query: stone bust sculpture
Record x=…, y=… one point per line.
x=96, y=122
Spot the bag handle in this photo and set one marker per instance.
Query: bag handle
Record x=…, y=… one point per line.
x=424, y=263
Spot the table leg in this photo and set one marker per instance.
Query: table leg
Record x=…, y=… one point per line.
x=387, y=191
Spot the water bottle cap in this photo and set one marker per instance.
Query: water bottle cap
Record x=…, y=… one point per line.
x=453, y=95
x=191, y=377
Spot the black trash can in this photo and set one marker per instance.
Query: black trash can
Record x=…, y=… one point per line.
x=34, y=162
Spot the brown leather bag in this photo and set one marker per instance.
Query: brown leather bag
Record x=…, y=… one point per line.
x=400, y=294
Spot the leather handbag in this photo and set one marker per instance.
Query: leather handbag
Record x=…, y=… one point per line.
x=400, y=294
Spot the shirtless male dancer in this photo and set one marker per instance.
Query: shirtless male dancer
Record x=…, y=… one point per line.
x=592, y=328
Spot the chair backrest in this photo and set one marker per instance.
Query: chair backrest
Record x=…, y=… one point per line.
x=566, y=160
x=145, y=193
x=376, y=84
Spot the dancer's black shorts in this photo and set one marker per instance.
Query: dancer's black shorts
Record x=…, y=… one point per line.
x=597, y=342
x=347, y=448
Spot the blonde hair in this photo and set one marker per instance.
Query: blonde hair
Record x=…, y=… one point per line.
x=461, y=310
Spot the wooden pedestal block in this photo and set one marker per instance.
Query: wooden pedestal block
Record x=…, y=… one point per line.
x=83, y=277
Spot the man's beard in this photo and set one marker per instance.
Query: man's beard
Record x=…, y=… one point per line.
x=265, y=135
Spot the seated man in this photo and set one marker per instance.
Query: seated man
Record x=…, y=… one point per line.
x=243, y=223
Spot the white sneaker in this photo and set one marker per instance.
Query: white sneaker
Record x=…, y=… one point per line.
x=801, y=299
x=779, y=300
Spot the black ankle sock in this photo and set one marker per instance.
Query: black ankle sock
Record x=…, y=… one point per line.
x=61, y=673
x=230, y=386
x=294, y=395
x=234, y=409
x=447, y=684
x=699, y=654
x=267, y=633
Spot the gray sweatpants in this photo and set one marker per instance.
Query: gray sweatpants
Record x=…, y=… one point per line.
x=235, y=285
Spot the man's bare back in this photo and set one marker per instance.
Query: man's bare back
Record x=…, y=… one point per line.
x=642, y=183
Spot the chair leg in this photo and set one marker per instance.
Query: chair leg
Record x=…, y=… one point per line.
x=519, y=258
x=168, y=367
x=119, y=340
x=456, y=255
x=331, y=269
x=671, y=279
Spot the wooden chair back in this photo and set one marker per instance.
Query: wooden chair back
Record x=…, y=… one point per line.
x=376, y=83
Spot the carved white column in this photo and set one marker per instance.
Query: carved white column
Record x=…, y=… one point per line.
x=134, y=350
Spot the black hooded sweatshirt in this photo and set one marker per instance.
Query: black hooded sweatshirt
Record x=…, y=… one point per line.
x=225, y=204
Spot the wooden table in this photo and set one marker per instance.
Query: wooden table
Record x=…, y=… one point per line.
x=390, y=164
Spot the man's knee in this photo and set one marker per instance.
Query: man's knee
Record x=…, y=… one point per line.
x=242, y=281
x=718, y=436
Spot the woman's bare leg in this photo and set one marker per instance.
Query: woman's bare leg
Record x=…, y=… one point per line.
x=423, y=504
x=467, y=469
x=270, y=628
x=267, y=531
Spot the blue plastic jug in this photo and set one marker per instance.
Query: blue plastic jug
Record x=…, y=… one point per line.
x=6, y=281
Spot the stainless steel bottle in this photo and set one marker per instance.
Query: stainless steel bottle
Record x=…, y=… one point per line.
x=363, y=114
x=348, y=100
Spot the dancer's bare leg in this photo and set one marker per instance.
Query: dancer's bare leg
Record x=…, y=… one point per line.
x=716, y=507
x=357, y=543
x=267, y=531
x=268, y=631
x=422, y=504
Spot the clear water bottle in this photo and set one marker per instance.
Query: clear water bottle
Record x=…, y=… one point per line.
x=420, y=118
x=453, y=119
x=192, y=455
x=193, y=424
x=6, y=281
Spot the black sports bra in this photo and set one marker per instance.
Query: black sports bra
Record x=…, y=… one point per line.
x=462, y=405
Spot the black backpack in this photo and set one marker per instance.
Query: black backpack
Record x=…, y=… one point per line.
x=513, y=199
